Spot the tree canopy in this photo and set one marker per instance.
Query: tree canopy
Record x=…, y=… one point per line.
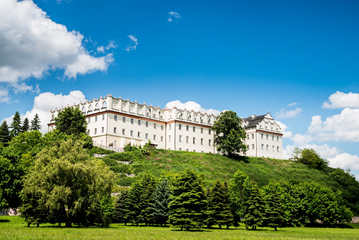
x=15, y=126
x=71, y=120
x=35, y=123
x=4, y=133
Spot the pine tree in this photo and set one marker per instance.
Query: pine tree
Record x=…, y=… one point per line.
x=148, y=185
x=133, y=209
x=25, y=125
x=188, y=201
x=255, y=208
x=158, y=206
x=227, y=211
x=35, y=123
x=4, y=134
x=273, y=211
x=120, y=206
x=15, y=126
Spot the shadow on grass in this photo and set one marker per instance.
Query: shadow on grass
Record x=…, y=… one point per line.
x=4, y=220
x=240, y=158
x=319, y=225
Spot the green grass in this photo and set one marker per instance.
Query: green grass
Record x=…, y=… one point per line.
x=15, y=228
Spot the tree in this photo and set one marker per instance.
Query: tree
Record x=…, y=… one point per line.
x=35, y=123
x=15, y=126
x=133, y=209
x=219, y=211
x=255, y=208
x=67, y=185
x=71, y=120
x=273, y=209
x=4, y=134
x=311, y=158
x=25, y=125
x=120, y=207
x=229, y=134
x=148, y=185
x=158, y=206
x=188, y=201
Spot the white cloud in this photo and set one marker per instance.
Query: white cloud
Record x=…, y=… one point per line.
x=325, y=151
x=111, y=44
x=342, y=100
x=286, y=134
x=292, y=104
x=344, y=161
x=46, y=101
x=339, y=127
x=4, y=95
x=173, y=15
x=31, y=44
x=101, y=49
x=190, y=105
x=133, y=43
x=288, y=114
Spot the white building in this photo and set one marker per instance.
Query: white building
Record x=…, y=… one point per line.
x=116, y=122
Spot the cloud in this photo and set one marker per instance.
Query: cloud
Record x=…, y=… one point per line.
x=4, y=95
x=325, y=151
x=288, y=114
x=173, y=15
x=133, y=43
x=101, y=49
x=286, y=134
x=190, y=105
x=339, y=127
x=46, y=101
x=292, y=104
x=342, y=100
x=344, y=161
x=31, y=44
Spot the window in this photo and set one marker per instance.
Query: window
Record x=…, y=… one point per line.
x=154, y=137
x=89, y=119
x=252, y=146
x=123, y=131
x=95, y=118
x=123, y=119
x=131, y=133
x=180, y=138
x=161, y=138
x=154, y=126
x=161, y=127
x=146, y=136
x=209, y=131
x=273, y=148
x=272, y=137
x=267, y=147
x=115, y=129
x=262, y=135
x=103, y=129
x=169, y=127
x=252, y=136
x=201, y=130
x=139, y=122
x=180, y=149
x=209, y=142
x=95, y=130
x=139, y=134
x=146, y=124
x=114, y=142
x=194, y=150
x=194, y=129
x=103, y=117
x=187, y=149
x=277, y=149
x=248, y=147
x=88, y=132
x=154, y=115
x=277, y=138
x=201, y=141
x=187, y=128
x=115, y=117
x=187, y=139
x=131, y=120
x=194, y=140
x=267, y=136
x=169, y=138
x=247, y=137
x=180, y=126
x=262, y=146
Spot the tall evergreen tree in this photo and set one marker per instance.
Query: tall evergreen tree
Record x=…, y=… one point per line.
x=15, y=126
x=273, y=209
x=4, y=134
x=35, y=123
x=148, y=185
x=133, y=208
x=188, y=201
x=227, y=211
x=25, y=125
x=158, y=206
x=120, y=208
x=255, y=208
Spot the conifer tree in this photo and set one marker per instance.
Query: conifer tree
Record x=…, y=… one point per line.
x=188, y=201
x=158, y=206
x=15, y=126
x=148, y=185
x=25, y=125
x=35, y=123
x=255, y=208
x=227, y=211
x=120, y=208
x=273, y=210
x=4, y=134
x=133, y=209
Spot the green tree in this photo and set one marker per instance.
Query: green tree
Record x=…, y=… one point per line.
x=71, y=120
x=133, y=208
x=188, y=201
x=229, y=135
x=120, y=207
x=311, y=158
x=25, y=125
x=68, y=186
x=148, y=185
x=15, y=126
x=4, y=134
x=255, y=208
x=35, y=123
x=158, y=206
x=273, y=207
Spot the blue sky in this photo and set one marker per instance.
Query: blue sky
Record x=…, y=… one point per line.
x=247, y=56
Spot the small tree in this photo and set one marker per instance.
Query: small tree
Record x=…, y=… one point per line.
x=35, y=123
x=255, y=208
x=273, y=209
x=229, y=134
x=120, y=207
x=188, y=201
x=133, y=208
x=148, y=185
x=25, y=125
x=15, y=126
x=71, y=121
x=158, y=206
x=4, y=134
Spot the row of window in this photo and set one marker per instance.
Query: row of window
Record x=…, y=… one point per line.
x=262, y=136
x=193, y=140
x=89, y=118
x=97, y=106
x=138, y=122
x=267, y=147
x=187, y=128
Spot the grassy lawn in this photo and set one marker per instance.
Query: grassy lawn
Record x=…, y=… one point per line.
x=15, y=228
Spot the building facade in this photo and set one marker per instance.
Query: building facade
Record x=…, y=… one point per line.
x=117, y=122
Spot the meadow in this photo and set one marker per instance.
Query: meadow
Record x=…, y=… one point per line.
x=16, y=228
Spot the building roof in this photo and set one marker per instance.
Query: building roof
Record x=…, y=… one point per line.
x=253, y=120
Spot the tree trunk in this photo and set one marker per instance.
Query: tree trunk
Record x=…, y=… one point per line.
x=275, y=228
x=37, y=225
x=59, y=224
x=68, y=224
x=220, y=226
x=28, y=224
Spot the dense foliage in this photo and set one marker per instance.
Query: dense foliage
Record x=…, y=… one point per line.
x=71, y=120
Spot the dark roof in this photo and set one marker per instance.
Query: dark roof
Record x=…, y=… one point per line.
x=252, y=122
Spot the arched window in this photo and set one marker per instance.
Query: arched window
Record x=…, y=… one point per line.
x=189, y=118
x=96, y=106
x=84, y=109
x=90, y=107
x=209, y=121
x=180, y=116
x=52, y=117
x=104, y=104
